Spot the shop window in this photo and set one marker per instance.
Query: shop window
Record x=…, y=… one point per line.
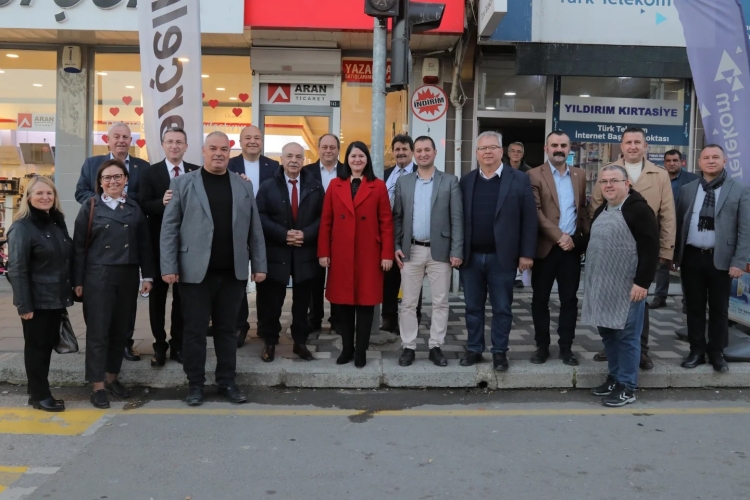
x=500, y=89
x=28, y=83
x=227, y=87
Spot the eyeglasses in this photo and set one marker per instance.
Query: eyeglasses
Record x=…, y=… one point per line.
x=175, y=143
x=110, y=178
x=488, y=148
x=611, y=182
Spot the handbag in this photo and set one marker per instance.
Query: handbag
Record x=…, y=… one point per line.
x=76, y=298
x=68, y=342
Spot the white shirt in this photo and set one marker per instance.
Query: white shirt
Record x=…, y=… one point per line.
x=497, y=173
x=252, y=171
x=289, y=187
x=170, y=168
x=634, y=171
x=325, y=176
x=127, y=167
x=701, y=239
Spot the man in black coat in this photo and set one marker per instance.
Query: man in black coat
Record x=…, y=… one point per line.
x=290, y=205
x=257, y=169
x=324, y=170
x=154, y=196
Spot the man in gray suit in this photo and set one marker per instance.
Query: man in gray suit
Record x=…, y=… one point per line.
x=713, y=243
x=210, y=231
x=429, y=234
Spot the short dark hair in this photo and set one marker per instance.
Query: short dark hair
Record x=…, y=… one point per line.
x=403, y=139
x=338, y=142
x=369, y=172
x=425, y=138
x=635, y=130
x=713, y=146
x=109, y=163
x=672, y=152
x=555, y=132
x=174, y=129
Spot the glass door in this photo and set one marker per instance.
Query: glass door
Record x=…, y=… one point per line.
x=280, y=128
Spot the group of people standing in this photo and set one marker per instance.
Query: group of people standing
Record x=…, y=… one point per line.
x=334, y=228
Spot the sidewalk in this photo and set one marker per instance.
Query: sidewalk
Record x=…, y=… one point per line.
x=382, y=368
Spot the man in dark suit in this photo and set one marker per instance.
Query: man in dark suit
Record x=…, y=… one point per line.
x=119, y=141
x=324, y=171
x=403, y=151
x=154, y=196
x=500, y=232
x=252, y=166
x=289, y=205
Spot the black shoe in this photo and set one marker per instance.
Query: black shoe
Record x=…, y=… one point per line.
x=131, y=354
x=540, y=356
x=117, y=389
x=606, y=388
x=303, y=352
x=241, y=336
x=518, y=284
x=718, y=362
x=646, y=363
x=657, y=303
x=360, y=359
x=389, y=325
x=50, y=404
x=195, y=395
x=345, y=357
x=568, y=358
x=99, y=399
x=175, y=355
x=437, y=357
x=232, y=393
x=269, y=352
x=601, y=355
x=407, y=357
x=500, y=361
x=620, y=396
x=159, y=359
x=470, y=358
x=693, y=359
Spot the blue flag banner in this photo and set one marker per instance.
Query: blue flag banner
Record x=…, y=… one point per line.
x=717, y=48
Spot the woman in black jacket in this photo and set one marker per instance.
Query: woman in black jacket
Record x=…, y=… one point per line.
x=106, y=276
x=40, y=252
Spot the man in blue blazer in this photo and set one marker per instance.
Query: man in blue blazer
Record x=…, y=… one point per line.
x=119, y=142
x=252, y=166
x=500, y=232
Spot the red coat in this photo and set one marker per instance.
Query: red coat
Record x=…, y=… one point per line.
x=356, y=236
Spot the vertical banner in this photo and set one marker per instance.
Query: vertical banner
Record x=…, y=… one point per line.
x=170, y=41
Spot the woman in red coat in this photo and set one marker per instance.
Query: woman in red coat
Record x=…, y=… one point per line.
x=356, y=241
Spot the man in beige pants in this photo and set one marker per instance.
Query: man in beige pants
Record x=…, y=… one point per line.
x=428, y=228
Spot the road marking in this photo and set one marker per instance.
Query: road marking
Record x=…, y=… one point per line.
x=8, y=476
x=16, y=493
x=30, y=421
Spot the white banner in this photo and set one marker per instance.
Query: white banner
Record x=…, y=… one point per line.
x=170, y=40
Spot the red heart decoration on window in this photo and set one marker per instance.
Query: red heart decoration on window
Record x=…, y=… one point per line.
x=213, y=103
x=139, y=111
x=203, y=95
x=243, y=97
x=141, y=142
x=105, y=138
x=237, y=111
x=127, y=100
x=114, y=111
x=231, y=144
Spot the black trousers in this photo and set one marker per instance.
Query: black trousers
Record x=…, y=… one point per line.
x=391, y=286
x=317, y=297
x=565, y=268
x=243, y=317
x=110, y=294
x=217, y=298
x=275, y=294
x=40, y=334
x=354, y=319
x=157, y=307
x=704, y=284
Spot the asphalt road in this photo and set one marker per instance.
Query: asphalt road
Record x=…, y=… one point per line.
x=374, y=444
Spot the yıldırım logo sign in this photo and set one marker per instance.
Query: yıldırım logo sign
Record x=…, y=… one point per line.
x=69, y=4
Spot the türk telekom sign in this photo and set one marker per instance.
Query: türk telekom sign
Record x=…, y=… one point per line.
x=110, y=15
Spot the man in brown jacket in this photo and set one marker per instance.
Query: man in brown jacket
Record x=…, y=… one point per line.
x=653, y=183
x=560, y=195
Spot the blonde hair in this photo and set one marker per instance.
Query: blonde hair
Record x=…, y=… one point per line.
x=24, y=210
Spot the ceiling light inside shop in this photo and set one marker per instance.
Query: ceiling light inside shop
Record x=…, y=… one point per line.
x=183, y=59
x=220, y=88
x=232, y=98
x=37, y=84
x=584, y=95
x=204, y=76
x=1, y=71
x=129, y=87
x=12, y=56
x=510, y=93
x=101, y=73
x=490, y=108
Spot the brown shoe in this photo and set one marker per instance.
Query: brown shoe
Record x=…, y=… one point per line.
x=269, y=352
x=601, y=355
x=646, y=363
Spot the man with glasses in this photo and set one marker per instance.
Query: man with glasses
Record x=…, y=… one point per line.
x=119, y=140
x=154, y=197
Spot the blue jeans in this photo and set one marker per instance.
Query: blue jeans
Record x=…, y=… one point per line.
x=624, y=347
x=481, y=274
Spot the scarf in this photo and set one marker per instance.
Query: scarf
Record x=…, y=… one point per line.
x=706, y=216
x=108, y=199
x=355, y=187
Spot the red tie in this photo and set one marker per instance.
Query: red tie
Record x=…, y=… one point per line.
x=176, y=171
x=295, y=204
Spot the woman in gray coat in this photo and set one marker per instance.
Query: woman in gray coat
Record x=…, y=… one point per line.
x=40, y=252
x=105, y=274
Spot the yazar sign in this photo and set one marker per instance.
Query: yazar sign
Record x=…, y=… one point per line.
x=217, y=16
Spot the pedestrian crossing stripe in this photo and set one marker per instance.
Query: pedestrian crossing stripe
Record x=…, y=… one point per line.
x=9, y=475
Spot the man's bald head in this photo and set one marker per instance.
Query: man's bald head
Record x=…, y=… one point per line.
x=251, y=141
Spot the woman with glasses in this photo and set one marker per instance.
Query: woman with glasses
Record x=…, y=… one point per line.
x=110, y=245
x=40, y=251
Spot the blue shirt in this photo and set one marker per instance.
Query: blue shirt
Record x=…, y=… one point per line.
x=422, y=207
x=567, y=199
